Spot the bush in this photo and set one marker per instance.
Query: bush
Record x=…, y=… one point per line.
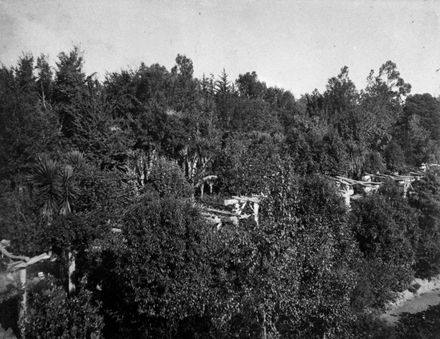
x=422, y=325
x=425, y=196
x=166, y=178
x=386, y=230
x=371, y=327
x=162, y=268
x=52, y=314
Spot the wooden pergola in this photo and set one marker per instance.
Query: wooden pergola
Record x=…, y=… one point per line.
x=346, y=187
x=20, y=263
x=238, y=203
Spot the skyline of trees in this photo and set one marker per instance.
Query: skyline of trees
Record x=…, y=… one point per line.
x=80, y=157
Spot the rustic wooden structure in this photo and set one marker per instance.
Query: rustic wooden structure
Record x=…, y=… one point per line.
x=209, y=179
x=218, y=217
x=403, y=181
x=238, y=203
x=347, y=187
x=370, y=183
x=20, y=263
x=425, y=166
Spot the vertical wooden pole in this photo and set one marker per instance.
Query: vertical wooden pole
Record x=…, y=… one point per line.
x=256, y=207
x=406, y=184
x=71, y=269
x=347, y=197
x=23, y=302
x=264, y=334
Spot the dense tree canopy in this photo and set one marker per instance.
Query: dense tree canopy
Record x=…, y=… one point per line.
x=108, y=173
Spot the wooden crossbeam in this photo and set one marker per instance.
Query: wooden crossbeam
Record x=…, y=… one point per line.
x=247, y=199
x=209, y=178
x=23, y=264
x=19, y=261
x=221, y=212
x=228, y=202
x=352, y=182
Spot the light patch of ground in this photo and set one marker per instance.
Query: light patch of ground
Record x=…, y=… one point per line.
x=418, y=304
x=427, y=294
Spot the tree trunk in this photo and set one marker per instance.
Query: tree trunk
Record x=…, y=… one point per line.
x=264, y=332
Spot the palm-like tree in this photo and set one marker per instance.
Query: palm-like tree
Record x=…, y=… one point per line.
x=55, y=190
x=45, y=179
x=54, y=186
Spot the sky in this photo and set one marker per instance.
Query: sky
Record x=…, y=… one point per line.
x=296, y=45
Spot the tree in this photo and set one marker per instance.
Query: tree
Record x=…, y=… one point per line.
x=340, y=97
x=167, y=179
x=163, y=265
x=330, y=154
x=78, y=204
x=247, y=165
x=386, y=230
x=417, y=130
x=394, y=157
x=281, y=277
x=290, y=275
x=69, y=89
x=250, y=87
x=383, y=98
x=25, y=128
x=426, y=199
x=45, y=80
x=54, y=192
x=428, y=109
x=69, y=76
x=375, y=164
x=280, y=99
x=387, y=85
x=225, y=100
x=183, y=85
x=222, y=85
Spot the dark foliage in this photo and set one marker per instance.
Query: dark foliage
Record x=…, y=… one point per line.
x=109, y=172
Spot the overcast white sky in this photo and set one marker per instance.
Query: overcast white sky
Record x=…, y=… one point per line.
x=296, y=45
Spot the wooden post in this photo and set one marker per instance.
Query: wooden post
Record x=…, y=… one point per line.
x=406, y=185
x=23, y=302
x=255, y=208
x=71, y=269
x=347, y=198
x=264, y=334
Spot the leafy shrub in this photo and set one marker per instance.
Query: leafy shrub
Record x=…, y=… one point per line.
x=52, y=314
x=166, y=178
x=422, y=325
x=386, y=230
x=425, y=196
